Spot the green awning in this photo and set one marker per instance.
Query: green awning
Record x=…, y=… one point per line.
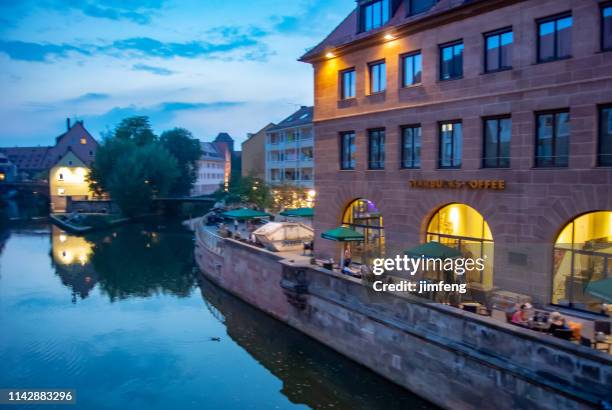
x=433, y=250
x=244, y=213
x=342, y=234
x=601, y=289
x=299, y=212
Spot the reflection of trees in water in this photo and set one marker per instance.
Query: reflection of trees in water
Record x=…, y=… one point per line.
x=136, y=260
x=132, y=260
x=311, y=373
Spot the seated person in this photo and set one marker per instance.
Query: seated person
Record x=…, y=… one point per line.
x=521, y=317
x=557, y=321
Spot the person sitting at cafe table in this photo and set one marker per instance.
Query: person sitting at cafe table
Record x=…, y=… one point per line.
x=522, y=316
x=557, y=321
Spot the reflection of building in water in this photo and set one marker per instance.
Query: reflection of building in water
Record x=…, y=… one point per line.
x=71, y=258
x=311, y=373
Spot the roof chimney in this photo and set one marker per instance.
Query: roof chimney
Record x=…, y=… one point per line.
x=67, y=124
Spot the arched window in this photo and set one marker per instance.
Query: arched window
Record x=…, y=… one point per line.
x=582, y=259
x=461, y=226
x=363, y=216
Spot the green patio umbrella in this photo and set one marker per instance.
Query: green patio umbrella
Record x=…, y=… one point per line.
x=433, y=250
x=342, y=234
x=601, y=289
x=299, y=212
x=244, y=214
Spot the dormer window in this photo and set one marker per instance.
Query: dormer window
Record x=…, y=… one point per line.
x=374, y=14
x=420, y=6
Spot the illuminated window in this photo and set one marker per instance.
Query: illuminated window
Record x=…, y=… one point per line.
x=461, y=226
x=363, y=216
x=83, y=140
x=61, y=191
x=582, y=256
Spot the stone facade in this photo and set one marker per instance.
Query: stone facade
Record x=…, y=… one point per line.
x=537, y=203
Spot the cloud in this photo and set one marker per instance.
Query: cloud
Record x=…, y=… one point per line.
x=26, y=51
x=161, y=114
x=139, y=12
x=152, y=69
x=89, y=97
x=146, y=46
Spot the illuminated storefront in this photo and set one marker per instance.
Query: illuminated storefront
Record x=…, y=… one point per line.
x=461, y=226
x=363, y=216
x=582, y=255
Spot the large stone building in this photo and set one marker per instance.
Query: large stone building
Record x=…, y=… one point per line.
x=254, y=154
x=290, y=151
x=483, y=124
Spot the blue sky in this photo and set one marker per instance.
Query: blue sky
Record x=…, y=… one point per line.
x=206, y=65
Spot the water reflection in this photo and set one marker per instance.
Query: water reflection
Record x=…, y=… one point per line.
x=311, y=373
x=136, y=260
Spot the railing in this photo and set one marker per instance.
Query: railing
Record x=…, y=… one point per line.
x=209, y=240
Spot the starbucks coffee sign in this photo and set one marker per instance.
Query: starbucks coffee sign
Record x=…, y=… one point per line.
x=489, y=184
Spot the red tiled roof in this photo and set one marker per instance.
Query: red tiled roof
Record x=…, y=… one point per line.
x=36, y=159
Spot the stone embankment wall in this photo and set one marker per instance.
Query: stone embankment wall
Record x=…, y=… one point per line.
x=453, y=358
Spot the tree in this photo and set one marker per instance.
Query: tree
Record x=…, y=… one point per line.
x=136, y=129
x=139, y=176
x=130, y=169
x=187, y=151
x=247, y=191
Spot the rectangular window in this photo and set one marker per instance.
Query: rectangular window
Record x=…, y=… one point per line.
x=451, y=61
x=347, y=88
x=374, y=14
x=376, y=149
x=498, y=50
x=347, y=150
x=555, y=38
x=451, y=135
x=411, y=146
x=497, y=132
x=604, y=148
x=606, y=27
x=420, y=6
x=552, y=139
x=412, y=64
x=378, y=77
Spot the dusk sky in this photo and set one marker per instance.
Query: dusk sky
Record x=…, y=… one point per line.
x=204, y=65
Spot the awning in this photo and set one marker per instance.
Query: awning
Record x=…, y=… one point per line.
x=299, y=212
x=433, y=250
x=601, y=289
x=342, y=234
x=244, y=213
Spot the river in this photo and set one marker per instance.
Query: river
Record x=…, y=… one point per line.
x=121, y=317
